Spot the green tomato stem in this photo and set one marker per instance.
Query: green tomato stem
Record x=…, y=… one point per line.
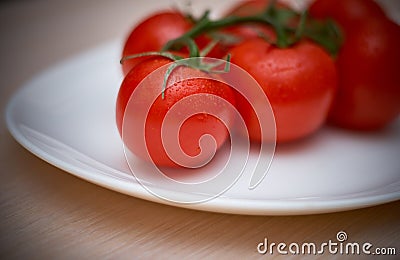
x=322, y=32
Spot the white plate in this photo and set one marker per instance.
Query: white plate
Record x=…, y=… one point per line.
x=65, y=116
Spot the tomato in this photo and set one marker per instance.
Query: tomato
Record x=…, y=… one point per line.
x=300, y=83
x=250, y=7
x=152, y=34
x=247, y=31
x=192, y=129
x=347, y=13
x=251, y=30
x=155, y=31
x=368, y=96
x=368, y=65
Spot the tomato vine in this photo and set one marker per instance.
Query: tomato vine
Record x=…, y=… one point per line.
x=290, y=27
x=325, y=33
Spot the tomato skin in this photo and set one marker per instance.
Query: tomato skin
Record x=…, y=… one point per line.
x=191, y=130
x=152, y=34
x=368, y=65
x=368, y=96
x=130, y=83
x=300, y=83
x=250, y=7
x=348, y=13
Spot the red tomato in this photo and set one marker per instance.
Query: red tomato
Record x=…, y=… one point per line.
x=192, y=129
x=152, y=34
x=249, y=30
x=155, y=31
x=251, y=7
x=369, y=80
x=299, y=81
x=368, y=96
x=346, y=12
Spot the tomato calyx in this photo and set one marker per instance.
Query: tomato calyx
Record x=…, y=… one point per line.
x=290, y=27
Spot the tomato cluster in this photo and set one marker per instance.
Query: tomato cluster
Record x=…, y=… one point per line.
x=307, y=78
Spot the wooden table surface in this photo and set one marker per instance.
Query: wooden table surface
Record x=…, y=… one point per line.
x=48, y=213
